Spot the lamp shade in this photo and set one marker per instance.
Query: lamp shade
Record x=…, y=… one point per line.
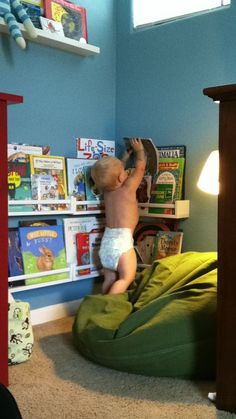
x=209, y=178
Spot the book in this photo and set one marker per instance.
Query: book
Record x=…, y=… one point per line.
x=151, y=152
x=76, y=172
x=83, y=255
x=36, y=223
x=15, y=261
x=54, y=166
x=171, y=151
x=44, y=187
x=19, y=185
x=51, y=26
x=168, y=186
x=21, y=152
x=144, y=235
x=71, y=16
x=91, y=148
x=91, y=192
x=94, y=246
x=43, y=249
x=34, y=12
x=79, y=224
x=167, y=243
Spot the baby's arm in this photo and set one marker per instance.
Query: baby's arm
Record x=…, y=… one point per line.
x=140, y=163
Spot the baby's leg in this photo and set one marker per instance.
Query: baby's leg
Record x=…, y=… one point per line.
x=127, y=270
x=109, y=278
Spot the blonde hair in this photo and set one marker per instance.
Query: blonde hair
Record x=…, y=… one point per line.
x=105, y=172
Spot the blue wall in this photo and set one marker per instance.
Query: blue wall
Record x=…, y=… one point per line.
x=65, y=96
x=161, y=72
x=144, y=83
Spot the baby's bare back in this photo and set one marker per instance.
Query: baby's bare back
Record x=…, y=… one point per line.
x=121, y=208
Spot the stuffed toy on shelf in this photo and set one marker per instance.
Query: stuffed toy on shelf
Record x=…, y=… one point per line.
x=7, y=10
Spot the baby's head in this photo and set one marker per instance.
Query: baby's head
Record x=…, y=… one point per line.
x=108, y=173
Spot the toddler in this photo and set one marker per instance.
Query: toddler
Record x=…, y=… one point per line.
x=117, y=253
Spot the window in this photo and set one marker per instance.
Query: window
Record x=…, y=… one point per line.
x=151, y=12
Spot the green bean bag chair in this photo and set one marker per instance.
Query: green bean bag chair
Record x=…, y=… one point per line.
x=164, y=325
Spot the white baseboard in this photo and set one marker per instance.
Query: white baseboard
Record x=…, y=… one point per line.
x=54, y=312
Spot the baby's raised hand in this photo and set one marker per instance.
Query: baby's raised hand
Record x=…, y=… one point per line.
x=136, y=144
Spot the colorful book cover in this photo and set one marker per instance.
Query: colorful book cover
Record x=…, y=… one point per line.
x=91, y=192
x=21, y=152
x=43, y=250
x=144, y=235
x=76, y=178
x=34, y=12
x=45, y=187
x=167, y=243
x=91, y=148
x=19, y=185
x=94, y=246
x=71, y=16
x=151, y=155
x=172, y=151
x=15, y=261
x=83, y=255
x=168, y=186
x=54, y=166
x=79, y=224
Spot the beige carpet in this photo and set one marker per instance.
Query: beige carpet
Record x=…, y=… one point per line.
x=57, y=382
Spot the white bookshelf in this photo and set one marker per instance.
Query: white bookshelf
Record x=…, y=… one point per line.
x=180, y=208
x=55, y=41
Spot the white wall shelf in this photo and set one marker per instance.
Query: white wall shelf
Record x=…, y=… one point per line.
x=180, y=209
x=70, y=204
x=72, y=276
x=55, y=41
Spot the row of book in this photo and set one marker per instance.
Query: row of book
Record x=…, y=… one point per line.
x=44, y=245
x=33, y=173
x=60, y=17
x=156, y=240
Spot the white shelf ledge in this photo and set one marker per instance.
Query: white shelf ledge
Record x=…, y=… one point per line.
x=179, y=208
x=54, y=41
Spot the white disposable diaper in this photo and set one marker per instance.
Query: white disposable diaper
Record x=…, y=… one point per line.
x=115, y=242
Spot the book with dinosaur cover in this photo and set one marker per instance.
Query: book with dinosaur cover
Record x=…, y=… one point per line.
x=167, y=243
x=43, y=250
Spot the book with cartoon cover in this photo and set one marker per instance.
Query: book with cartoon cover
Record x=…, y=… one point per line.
x=167, y=243
x=43, y=249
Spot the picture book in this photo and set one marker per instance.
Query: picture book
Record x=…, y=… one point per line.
x=76, y=178
x=172, y=151
x=43, y=250
x=151, y=154
x=167, y=243
x=51, y=165
x=21, y=152
x=144, y=235
x=91, y=192
x=79, y=224
x=91, y=148
x=143, y=192
x=44, y=187
x=83, y=256
x=71, y=16
x=168, y=186
x=15, y=262
x=94, y=246
x=51, y=26
x=34, y=12
x=19, y=185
